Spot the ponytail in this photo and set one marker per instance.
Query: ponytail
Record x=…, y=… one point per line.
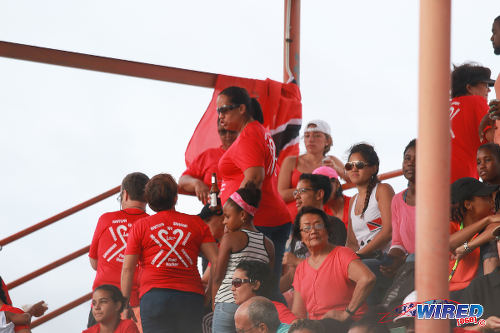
x=256, y=110
x=371, y=185
x=239, y=96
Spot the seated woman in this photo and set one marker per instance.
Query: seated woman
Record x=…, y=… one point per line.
x=196, y=179
x=253, y=278
x=332, y=283
x=318, y=141
x=166, y=245
x=472, y=224
x=107, y=305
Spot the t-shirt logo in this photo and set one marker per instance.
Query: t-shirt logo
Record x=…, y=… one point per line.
x=119, y=240
x=177, y=238
x=272, y=150
x=454, y=110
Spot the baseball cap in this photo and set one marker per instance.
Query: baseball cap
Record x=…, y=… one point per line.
x=320, y=126
x=467, y=187
x=408, y=307
x=326, y=171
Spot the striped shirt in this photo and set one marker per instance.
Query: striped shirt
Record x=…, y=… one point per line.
x=255, y=250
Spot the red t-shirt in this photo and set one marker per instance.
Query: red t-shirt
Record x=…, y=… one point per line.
x=466, y=113
x=108, y=247
x=345, y=212
x=12, y=309
x=206, y=164
x=328, y=287
x=125, y=326
x=467, y=266
x=286, y=316
x=168, y=244
x=254, y=147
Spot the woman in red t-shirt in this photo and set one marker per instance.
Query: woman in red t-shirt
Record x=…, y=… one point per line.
x=107, y=305
x=166, y=246
x=252, y=157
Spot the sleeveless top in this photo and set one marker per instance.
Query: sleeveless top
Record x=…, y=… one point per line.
x=292, y=208
x=367, y=227
x=255, y=250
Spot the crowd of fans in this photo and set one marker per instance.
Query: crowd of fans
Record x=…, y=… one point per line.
x=287, y=251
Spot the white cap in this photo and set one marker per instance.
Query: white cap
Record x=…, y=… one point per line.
x=319, y=126
x=408, y=307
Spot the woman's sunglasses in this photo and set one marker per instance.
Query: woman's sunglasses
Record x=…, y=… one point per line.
x=225, y=108
x=358, y=164
x=238, y=282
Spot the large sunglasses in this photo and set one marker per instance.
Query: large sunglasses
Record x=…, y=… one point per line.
x=237, y=282
x=225, y=108
x=358, y=164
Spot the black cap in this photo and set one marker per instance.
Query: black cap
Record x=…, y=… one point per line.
x=467, y=187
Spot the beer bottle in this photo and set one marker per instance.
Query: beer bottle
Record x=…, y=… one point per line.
x=214, y=194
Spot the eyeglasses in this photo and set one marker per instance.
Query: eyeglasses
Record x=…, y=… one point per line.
x=308, y=228
x=238, y=282
x=225, y=108
x=301, y=190
x=358, y=164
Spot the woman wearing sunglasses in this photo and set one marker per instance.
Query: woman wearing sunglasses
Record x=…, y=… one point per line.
x=370, y=229
x=332, y=283
x=253, y=278
x=318, y=141
x=252, y=158
x=242, y=242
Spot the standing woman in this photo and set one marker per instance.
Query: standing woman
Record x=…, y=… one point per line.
x=166, y=246
x=370, y=228
x=318, y=141
x=252, y=158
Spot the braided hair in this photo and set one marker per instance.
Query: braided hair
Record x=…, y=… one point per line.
x=371, y=157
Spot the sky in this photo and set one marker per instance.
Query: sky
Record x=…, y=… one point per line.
x=67, y=135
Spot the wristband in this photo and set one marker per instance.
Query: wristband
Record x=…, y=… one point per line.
x=351, y=313
x=467, y=248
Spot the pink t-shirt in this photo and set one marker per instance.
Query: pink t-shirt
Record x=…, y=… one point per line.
x=329, y=287
x=403, y=224
x=108, y=248
x=254, y=147
x=125, y=326
x=168, y=244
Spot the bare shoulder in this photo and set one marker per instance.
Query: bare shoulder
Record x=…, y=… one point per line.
x=384, y=190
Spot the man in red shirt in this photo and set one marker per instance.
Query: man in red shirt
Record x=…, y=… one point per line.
x=110, y=237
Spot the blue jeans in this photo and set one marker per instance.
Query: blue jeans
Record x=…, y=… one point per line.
x=279, y=235
x=169, y=310
x=223, y=319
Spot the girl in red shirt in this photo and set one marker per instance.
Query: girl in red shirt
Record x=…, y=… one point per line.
x=107, y=305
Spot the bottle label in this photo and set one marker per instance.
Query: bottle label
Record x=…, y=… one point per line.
x=213, y=199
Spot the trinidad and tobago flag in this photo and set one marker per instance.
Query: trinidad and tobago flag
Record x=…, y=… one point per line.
x=375, y=224
x=282, y=108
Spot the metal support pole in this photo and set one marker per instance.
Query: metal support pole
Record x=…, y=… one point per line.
x=433, y=147
x=291, y=63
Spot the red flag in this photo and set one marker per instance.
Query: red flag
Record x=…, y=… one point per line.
x=282, y=108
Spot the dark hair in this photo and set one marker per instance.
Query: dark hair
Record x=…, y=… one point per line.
x=115, y=293
x=135, y=183
x=468, y=73
x=493, y=148
x=262, y=310
x=161, y=192
x=3, y=296
x=310, y=210
x=258, y=271
x=497, y=19
x=411, y=144
x=250, y=194
x=371, y=157
x=371, y=321
x=240, y=96
x=311, y=325
x=319, y=182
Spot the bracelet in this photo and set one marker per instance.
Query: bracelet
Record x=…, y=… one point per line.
x=351, y=313
x=467, y=248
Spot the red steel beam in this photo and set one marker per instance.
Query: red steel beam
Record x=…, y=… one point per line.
x=383, y=176
x=61, y=310
x=106, y=65
x=48, y=267
x=59, y=216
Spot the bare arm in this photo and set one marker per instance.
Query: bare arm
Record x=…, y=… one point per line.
x=384, y=198
x=219, y=271
x=298, y=305
x=128, y=270
x=338, y=165
x=194, y=186
x=352, y=241
x=458, y=238
x=285, y=178
x=255, y=175
x=364, y=279
x=93, y=263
